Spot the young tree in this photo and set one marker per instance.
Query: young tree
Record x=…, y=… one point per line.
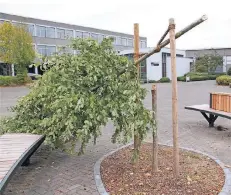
x=16, y=46
x=208, y=62
x=63, y=106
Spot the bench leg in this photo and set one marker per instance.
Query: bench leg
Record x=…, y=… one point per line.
x=211, y=118
x=26, y=162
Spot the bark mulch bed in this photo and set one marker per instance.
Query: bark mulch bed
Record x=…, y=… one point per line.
x=198, y=174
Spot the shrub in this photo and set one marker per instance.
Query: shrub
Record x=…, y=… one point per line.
x=229, y=72
x=212, y=77
x=217, y=74
x=152, y=81
x=164, y=80
x=199, y=78
x=182, y=78
x=12, y=81
x=196, y=73
x=8, y=80
x=223, y=80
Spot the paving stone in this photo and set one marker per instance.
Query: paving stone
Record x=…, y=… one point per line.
x=54, y=170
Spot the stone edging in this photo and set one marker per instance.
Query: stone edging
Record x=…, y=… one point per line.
x=226, y=190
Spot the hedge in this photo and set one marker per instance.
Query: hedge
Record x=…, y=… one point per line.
x=13, y=81
x=182, y=78
x=223, y=80
x=152, y=81
x=164, y=80
x=197, y=76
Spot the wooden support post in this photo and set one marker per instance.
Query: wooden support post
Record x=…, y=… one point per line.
x=174, y=97
x=154, y=133
x=136, y=57
x=136, y=47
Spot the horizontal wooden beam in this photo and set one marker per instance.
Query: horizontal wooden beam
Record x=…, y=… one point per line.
x=179, y=34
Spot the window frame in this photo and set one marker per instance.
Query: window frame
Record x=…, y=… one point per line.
x=49, y=27
x=89, y=34
x=37, y=25
x=117, y=42
x=46, y=45
x=57, y=29
x=131, y=42
x=126, y=39
x=93, y=33
x=79, y=32
x=73, y=33
x=143, y=42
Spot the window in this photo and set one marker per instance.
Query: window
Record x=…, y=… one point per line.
x=65, y=49
x=86, y=35
x=118, y=41
x=2, y=21
x=69, y=34
x=94, y=36
x=154, y=64
x=60, y=33
x=41, y=31
x=30, y=28
x=41, y=49
x=50, y=32
x=78, y=34
x=124, y=41
x=143, y=44
x=46, y=50
x=50, y=50
x=100, y=38
x=130, y=42
x=179, y=55
x=164, y=66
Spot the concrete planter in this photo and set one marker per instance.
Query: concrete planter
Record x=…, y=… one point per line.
x=226, y=190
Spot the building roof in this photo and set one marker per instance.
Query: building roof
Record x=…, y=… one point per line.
x=212, y=48
x=57, y=23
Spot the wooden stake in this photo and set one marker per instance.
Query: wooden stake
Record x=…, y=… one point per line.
x=136, y=57
x=136, y=47
x=174, y=97
x=154, y=134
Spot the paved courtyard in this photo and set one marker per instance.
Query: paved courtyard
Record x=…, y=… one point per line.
x=54, y=172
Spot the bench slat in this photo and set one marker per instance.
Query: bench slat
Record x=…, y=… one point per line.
x=205, y=108
x=14, y=150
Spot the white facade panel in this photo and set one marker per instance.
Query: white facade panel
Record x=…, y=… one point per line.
x=154, y=63
x=154, y=72
x=182, y=66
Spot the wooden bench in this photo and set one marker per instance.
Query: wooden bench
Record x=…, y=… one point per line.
x=16, y=150
x=205, y=109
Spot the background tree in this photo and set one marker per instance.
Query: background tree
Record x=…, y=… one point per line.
x=63, y=107
x=16, y=47
x=208, y=62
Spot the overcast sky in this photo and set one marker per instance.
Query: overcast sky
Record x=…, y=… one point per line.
x=152, y=16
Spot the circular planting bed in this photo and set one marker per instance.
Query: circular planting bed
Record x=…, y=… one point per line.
x=199, y=174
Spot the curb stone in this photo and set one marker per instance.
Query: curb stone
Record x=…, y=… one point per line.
x=226, y=190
